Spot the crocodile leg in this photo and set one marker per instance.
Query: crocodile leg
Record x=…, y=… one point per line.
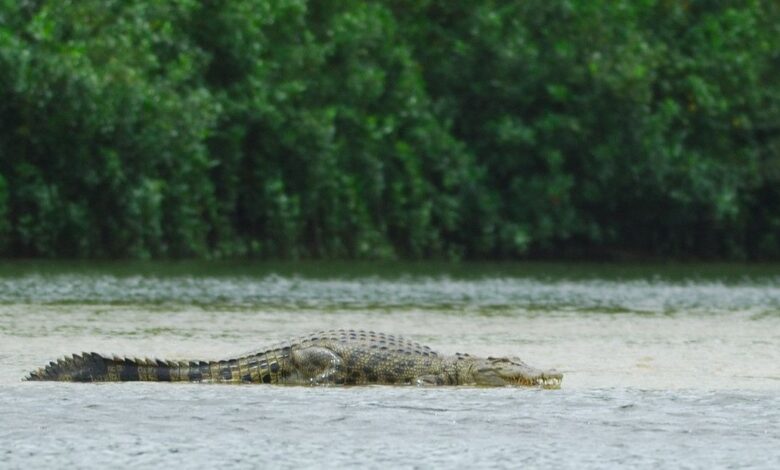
x=319, y=364
x=429, y=380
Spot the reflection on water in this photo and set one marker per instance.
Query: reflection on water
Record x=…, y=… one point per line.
x=662, y=367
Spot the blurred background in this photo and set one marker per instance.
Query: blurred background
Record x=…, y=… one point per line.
x=479, y=129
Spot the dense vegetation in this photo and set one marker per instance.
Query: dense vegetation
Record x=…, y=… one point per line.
x=425, y=128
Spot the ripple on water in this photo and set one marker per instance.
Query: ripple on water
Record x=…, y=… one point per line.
x=93, y=426
x=483, y=294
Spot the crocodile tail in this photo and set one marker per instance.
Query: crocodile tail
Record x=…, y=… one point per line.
x=93, y=367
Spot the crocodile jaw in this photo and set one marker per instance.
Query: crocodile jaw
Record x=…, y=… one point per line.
x=549, y=379
x=514, y=372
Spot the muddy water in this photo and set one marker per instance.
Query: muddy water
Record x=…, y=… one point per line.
x=663, y=366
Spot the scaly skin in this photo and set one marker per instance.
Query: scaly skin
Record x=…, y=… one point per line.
x=347, y=357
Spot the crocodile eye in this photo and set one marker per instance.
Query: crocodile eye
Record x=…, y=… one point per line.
x=499, y=360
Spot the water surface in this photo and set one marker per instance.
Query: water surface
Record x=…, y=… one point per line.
x=664, y=365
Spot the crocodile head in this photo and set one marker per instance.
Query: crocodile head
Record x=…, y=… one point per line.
x=498, y=371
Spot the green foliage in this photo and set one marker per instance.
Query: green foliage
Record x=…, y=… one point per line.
x=454, y=129
x=105, y=122
x=640, y=126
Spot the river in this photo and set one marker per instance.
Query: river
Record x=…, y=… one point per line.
x=664, y=365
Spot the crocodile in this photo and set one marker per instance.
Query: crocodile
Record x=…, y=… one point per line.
x=335, y=357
